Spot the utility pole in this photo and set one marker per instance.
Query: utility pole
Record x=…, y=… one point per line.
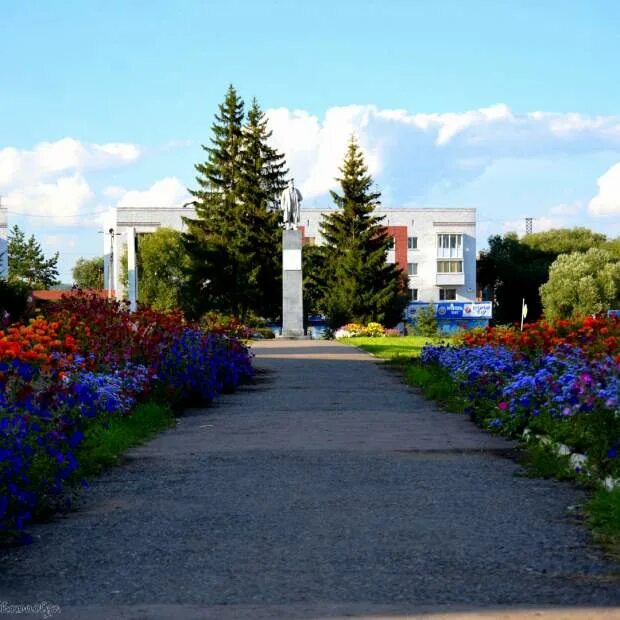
x=110, y=280
x=4, y=242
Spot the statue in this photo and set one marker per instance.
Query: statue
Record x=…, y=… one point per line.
x=289, y=203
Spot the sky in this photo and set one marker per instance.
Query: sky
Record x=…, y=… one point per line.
x=510, y=107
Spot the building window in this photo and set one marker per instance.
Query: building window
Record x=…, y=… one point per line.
x=412, y=243
x=412, y=269
x=414, y=294
x=449, y=266
x=449, y=246
x=392, y=243
x=447, y=294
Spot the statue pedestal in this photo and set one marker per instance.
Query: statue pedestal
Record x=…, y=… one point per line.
x=292, y=295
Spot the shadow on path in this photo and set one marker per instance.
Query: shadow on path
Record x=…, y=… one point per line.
x=326, y=489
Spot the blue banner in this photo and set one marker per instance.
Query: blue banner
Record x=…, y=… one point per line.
x=454, y=309
x=450, y=310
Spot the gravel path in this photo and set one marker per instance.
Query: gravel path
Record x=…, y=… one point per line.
x=326, y=489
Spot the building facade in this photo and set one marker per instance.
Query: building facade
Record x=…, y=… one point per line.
x=436, y=248
x=127, y=222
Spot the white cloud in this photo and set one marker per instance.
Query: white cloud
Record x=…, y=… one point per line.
x=23, y=167
x=567, y=209
x=408, y=154
x=114, y=191
x=607, y=201
x=59, y=241
x=60, y=200
x=166, y=192
x=9, y=165
x=113, y=153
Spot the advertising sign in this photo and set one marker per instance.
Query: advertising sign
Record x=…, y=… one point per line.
x=450, y=310
x=454, y=310
x=478, y=310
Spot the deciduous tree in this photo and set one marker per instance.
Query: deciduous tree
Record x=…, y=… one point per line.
x=88, y=273
x=581, y=284
x=162, y=265
x=565, y=240
x=513, y=271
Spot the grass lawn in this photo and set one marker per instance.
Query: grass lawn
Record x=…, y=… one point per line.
x=106, y=440
x=396, y=348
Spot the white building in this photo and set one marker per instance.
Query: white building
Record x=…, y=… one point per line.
x=435, y=247
x=4, y=250
x=139, y=220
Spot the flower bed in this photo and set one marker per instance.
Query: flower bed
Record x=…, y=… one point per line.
x=596, y=336
x=557, y=380
x=88, y=360
x=353, y=330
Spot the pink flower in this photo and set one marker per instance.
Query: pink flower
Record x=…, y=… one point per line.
x=503, y=405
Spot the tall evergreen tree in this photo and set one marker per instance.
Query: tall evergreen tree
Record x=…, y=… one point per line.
x=28, y=264
x=263, y=179
x=359, y=284
x=211, y=240
x=233, y=241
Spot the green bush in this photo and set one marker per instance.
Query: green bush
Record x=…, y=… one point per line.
x=426, y=322
x=15, y=302
x=263, y=332
x=604, y=517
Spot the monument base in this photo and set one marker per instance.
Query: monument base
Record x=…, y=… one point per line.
x=293, y=335
x=292, y=283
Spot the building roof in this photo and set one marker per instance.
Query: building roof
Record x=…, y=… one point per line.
x=57, y=295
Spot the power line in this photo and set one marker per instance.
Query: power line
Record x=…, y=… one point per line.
x=100, y=212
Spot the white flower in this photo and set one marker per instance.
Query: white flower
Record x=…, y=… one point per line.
x=342, y=333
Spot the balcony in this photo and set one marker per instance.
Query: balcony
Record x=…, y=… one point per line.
x=450, y=279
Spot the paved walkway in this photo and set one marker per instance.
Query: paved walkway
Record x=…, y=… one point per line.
x=328, y=489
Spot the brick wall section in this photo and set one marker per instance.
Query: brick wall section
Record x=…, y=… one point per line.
x=400, y=237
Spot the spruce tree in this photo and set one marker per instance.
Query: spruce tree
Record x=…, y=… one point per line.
x=28, y=264
x=360, y=285
x=233, y=241
x=263, y=178
x=212, y=239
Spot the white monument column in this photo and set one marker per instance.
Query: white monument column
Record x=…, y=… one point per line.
x=108, y=260
x=116, y=264
x=292, y=281
x=292, y=277
x=132, y=270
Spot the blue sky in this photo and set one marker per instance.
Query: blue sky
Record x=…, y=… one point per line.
x=509, y=107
